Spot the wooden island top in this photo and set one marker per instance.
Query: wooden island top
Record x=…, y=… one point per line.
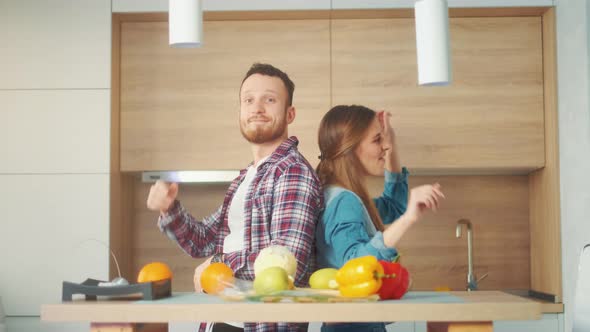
x=477, y=306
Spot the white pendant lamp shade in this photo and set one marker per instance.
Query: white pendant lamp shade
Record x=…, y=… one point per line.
x=432, y=42
x=185, y=23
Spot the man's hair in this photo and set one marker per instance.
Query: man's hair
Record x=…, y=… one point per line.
x=269, y=70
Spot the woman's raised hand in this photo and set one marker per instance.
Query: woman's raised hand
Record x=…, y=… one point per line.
x=422, y=199
x=388, y=144
x=388, y=134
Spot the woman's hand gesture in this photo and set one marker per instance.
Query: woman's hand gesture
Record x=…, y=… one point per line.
x=423, y=199
x=388, y=134
x=392, y=160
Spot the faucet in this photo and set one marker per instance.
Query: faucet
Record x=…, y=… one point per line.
x=471, y=280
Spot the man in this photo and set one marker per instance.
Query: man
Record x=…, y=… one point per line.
x=276, y=200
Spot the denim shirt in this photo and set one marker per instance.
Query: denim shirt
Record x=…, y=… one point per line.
x=345, y=230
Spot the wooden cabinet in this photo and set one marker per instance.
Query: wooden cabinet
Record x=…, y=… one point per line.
x=179, y=107
x=489, y=118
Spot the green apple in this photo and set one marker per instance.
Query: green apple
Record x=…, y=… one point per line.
x=271, y=280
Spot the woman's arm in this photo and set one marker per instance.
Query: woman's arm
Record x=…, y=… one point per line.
x=343, y=234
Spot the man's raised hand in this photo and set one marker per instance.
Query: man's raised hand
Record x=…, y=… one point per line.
x=162, y=195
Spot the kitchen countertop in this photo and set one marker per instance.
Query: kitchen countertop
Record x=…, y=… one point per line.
x=547, y=307
x=415, y=306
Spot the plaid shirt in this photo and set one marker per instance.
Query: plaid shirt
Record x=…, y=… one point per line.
x=282, y=207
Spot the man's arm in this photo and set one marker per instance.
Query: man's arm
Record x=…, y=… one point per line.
x=195, y=237
x=296, y=208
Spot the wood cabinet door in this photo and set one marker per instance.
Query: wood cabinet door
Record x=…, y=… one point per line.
x=180, y=107
x=489, y=119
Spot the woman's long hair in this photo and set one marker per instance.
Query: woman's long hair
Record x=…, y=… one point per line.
x=341, y=131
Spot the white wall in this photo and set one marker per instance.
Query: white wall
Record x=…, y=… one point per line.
x=221, y=5
x=54, y=147
x=574, y=138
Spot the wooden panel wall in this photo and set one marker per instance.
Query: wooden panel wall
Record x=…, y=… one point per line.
x=497, y=208
x=121, y=185
x=149, y=244
x=544, y=183
x=179, y=107
x=496, y=205
x=490, y=117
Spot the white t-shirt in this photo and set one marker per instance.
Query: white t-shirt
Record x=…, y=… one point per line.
x=235, y=219
x=235, y=215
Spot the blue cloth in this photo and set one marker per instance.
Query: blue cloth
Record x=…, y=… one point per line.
x=345, y=230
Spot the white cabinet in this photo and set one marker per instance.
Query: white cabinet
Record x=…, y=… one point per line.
x=47, y=224
x=382, y=4
x=54, y=131
x=54, y=146
x=547, y=323
x=222, y=5
x=55, y=44
x=240, y=5
x=27, y=324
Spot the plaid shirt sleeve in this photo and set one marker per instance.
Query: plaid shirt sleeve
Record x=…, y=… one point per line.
x=195, y=237
x=295, y=210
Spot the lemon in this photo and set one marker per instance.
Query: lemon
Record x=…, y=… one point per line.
x=324, y=279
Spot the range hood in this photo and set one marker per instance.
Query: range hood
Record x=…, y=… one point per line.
x=190, y=176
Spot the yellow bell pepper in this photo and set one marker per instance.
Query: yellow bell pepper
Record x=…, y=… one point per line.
x=360, y=277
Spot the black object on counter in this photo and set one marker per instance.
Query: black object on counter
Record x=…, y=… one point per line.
x=90, y=288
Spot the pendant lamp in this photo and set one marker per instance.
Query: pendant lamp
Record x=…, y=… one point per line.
x=432, y=42
x=185, y=23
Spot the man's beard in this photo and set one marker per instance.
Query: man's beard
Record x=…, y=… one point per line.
x=263, y=134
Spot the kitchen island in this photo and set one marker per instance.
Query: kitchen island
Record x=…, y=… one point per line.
x=444, y=311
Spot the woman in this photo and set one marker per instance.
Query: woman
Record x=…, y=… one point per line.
x=355, y=143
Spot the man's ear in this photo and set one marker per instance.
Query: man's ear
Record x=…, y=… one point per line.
x=290, y=114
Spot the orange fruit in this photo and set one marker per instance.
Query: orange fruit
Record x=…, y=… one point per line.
x=153, y=272
x=216, y=277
